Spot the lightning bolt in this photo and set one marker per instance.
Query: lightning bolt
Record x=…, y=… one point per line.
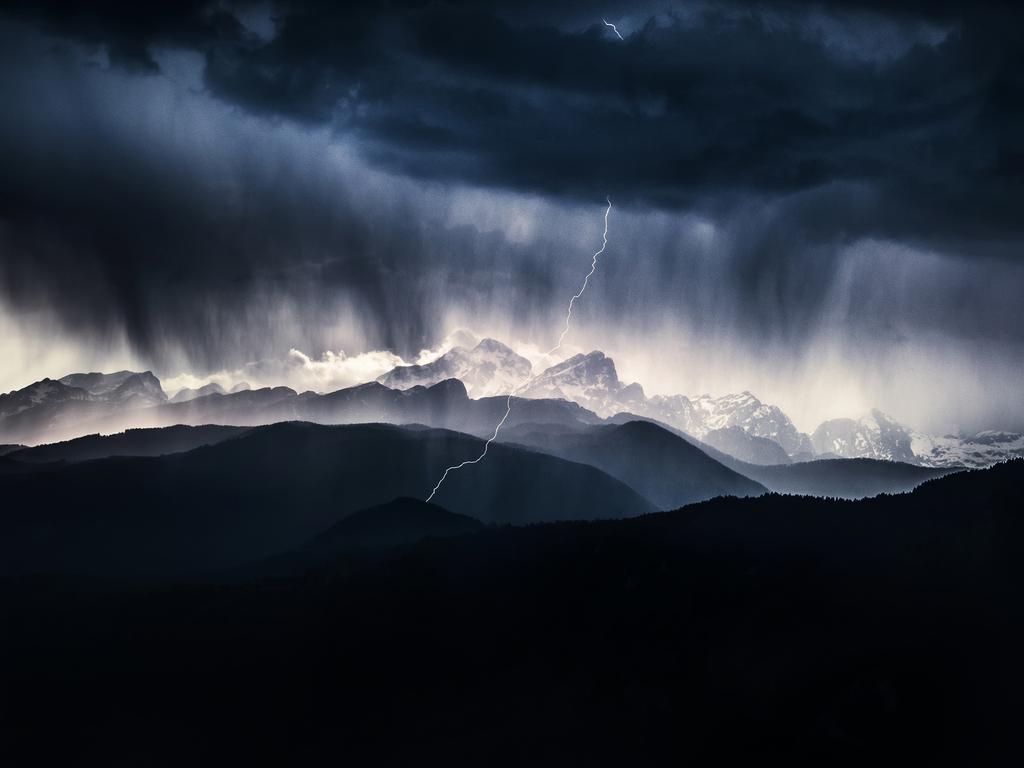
x=522, y=385
x=614, y=29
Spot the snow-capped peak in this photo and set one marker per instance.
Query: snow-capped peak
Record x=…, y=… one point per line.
x=980, y=450
x=489, y=368
x=874, y=436
x=589, y=380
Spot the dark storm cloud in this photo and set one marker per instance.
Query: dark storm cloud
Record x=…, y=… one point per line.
x=127, y=29
x=698, y=107
x=128, y=206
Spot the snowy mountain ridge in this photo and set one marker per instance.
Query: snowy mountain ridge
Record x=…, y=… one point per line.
x=490, y=368
x=591, y=380
x=739, y=424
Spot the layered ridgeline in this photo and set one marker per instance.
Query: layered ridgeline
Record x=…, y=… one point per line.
x=201, y=499
x=262, y=491
x=664, y=466
x=68, y=412
x=740, y=424
x=463, y=390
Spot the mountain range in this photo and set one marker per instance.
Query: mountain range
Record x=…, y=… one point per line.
x=738, y=424
x=663, y=465
x=463, y=390
x=51, y=408
x=292, y=570
x=139, y=515
x=489, y=368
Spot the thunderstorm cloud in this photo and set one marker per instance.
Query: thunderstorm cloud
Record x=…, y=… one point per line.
x=819, y=201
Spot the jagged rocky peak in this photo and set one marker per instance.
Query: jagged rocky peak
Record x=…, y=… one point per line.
x=124, y=387
x=40, y=393
x=137, y=387
x=742, y=399
x=493, y=346
x=49, y=390
x=492, y=353
x=54, y=409
x=592, y=381
x=672, y=409
x=589, y=380
x=873, y=436
x=489, y=368
x=95, y=383
x=982, y=449
x=594, y=368
x=98, y=383
x=186, y=394
x=704, y=414
x=877, y=435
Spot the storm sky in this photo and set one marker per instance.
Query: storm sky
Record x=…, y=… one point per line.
x=820, y=203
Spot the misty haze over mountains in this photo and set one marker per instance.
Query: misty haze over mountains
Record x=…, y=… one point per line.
x=739, y=425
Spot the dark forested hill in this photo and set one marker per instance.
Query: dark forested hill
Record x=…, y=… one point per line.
x=132, y=442
x=394, y=524
x=269, y=491
x=816, y=632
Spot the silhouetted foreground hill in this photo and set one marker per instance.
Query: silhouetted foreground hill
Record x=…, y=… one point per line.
x=269, y=491
x=132, y=442
x=394, y=524
x=878, y=632
x=366, y=534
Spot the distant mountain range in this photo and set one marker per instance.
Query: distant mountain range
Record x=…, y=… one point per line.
x=665, y=466
x=592, y=381
x=49, y=409
x=490, y=368
x=184, y=395
x=463, y=390
x=738, y=424
x=878, y=436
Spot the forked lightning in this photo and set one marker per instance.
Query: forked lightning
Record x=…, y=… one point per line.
x=614, y=28
x=522, y=385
